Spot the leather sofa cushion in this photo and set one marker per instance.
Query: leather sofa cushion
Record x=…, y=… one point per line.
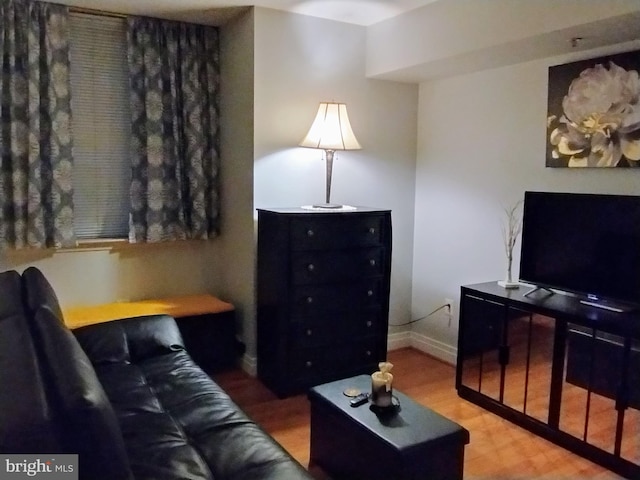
x=178, y=423
x=88, y=425
x=104, y=346
x=130, y=340
x=26, y=425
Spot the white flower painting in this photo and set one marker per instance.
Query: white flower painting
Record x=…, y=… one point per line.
x=594, y=113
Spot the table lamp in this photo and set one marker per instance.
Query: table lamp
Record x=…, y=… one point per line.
x=330, y=131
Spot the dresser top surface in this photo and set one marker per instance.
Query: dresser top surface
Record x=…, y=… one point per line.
x=331, y=211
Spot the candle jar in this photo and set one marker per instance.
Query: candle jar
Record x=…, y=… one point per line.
x=380, y=395
x=381, y=386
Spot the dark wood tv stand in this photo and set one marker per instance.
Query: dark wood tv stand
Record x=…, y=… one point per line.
x=563, y=370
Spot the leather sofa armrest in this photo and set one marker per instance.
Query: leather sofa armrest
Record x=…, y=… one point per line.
x=26, y=424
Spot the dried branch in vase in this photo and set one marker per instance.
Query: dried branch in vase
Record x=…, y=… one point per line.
x=510, y=232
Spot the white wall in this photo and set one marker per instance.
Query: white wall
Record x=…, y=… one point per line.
x=237, y=252
x=94, y=276
x=481, y=144
x=299, y=62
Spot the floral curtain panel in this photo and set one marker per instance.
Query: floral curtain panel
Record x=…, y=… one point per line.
x=174, y=75
x=36, y=197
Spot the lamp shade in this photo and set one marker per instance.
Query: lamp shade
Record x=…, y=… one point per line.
x=331, y=129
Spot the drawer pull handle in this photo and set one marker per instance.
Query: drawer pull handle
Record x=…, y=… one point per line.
x=311, y=267
x=309, y=299
x=368, y=353
x=369, y=323
x=310, y=233
x=369, y=293
x=372, y=230
x=372, y=262
x=309, y=332
x=309, y=364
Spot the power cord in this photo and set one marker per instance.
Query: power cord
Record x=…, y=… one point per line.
x=446, y=305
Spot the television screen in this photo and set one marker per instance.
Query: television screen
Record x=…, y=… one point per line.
x=582, y=243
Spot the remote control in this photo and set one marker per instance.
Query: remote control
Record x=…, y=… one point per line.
x=359, y=400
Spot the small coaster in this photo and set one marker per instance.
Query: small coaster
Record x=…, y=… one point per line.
x=352, y=392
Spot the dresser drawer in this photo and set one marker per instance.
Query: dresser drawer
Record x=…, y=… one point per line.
x=319, y=266
x=340, y=327
x=332, y=231
x=314, y=364
x=310, y=299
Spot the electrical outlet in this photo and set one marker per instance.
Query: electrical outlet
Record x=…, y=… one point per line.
x=449, y=309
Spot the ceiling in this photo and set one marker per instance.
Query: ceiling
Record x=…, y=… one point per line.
x=449, y=53
x=360, y=12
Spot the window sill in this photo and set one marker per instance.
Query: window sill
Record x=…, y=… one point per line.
x=101, y=243
x=96, y=244
x=123, y=244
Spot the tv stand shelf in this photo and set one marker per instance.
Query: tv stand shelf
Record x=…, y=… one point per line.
x=566, y=371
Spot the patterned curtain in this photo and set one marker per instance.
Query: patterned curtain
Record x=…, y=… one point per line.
x=36, y=197
x=174, y=76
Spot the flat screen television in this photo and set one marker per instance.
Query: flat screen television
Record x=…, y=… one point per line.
x=585, y=244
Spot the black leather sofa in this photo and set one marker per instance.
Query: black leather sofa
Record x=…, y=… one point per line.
x=125, y=396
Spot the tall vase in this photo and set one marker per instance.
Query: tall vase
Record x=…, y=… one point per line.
x=508, y=281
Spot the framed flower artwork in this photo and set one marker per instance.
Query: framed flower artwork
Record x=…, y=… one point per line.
x=593, y=113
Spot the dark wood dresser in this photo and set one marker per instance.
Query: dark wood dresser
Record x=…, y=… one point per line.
x=323, y=295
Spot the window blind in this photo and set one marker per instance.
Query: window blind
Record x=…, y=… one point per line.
x=101, y=126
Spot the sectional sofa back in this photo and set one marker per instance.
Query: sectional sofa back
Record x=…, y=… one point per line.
x=131, y=341
x=88, y=424
x=26, y=424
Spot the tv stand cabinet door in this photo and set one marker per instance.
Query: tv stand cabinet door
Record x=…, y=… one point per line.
x=505, y=354
x=562, y=376
x=481, y=341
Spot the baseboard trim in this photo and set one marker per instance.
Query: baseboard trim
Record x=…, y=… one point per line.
x=395, y=341
x=435, y=348
x=249, y=364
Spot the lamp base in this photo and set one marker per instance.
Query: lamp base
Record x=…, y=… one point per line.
x=327, y=205
x=332, y=208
